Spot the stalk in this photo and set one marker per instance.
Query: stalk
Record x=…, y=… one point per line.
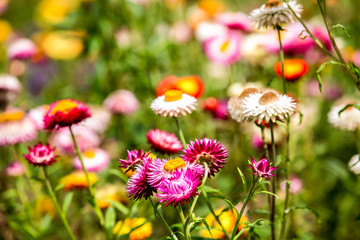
x=281, y=59
x=273, y=184
x=181, y=134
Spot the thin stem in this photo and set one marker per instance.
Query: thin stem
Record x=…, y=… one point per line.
x=53, y=197
x=183, y=222
x=200, y=189
x=181, y=134
x=281, y=59
x=163, y=221
x=264, y=143
x=273, y=184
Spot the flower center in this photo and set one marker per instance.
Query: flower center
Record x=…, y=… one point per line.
x=174, y=164
x=173, y=95
x=247, y=92
x=89, y=153
x=273, y=3
x=64, y=106
x=11, y=116
x=268, y=98
x=224, y=46
x=205, y=157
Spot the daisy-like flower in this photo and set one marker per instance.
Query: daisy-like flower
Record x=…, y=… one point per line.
x=348, y=119
x=354, y=164
x=174, y=103
x=21, y=48
x=296, y=185
x=163, y=141
x=293, y=69
x=37, y=115
x=15, y=169
x=179, y=189
x=207, y=30
x=122, y=101
x=65, y=113
x=99, y=120
x=207, y=151
x=41, y=155
x=275, y=13
x=235, y=20
x=77, y=180
x=138, y=186
x=9, y=89
x=224, y=49
x=16, y=127
x=134, y=157
x=262, y=168
x=95, y=160
x=162, y=169
x=235, y=104
x=138, y=229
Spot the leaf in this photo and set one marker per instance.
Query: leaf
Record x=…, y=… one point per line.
x=321, y=68
x=206, y=225
x=250, y=225
x=118, y=206
x=316, y=214
x=243, y=179
x=301, y=115
x=267, y=192
x=66, y=203
x=110, y=217
x=59, y=187
x=342, y=28
x=347, y=106
x=355, y=69
x=209, y=189
x=119, y=174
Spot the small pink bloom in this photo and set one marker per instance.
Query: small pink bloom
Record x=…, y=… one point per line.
x=163, y=141
x=95, y=160
x=235, y=20
x=257, y=142
x=180, y=32
x=134, y=158
x=37, y=115
x=40, y=155
x=356, y=58
x=122, y=101
x=262, y=168
x=15, y=169
x=296, y=185
x=21, y=48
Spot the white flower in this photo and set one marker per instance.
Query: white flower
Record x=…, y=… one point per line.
x=208, y=30
x=354, y=164
x=174, y=103
x=348, y=119
x=21, y=48
x=235, y=104
x=275, y=13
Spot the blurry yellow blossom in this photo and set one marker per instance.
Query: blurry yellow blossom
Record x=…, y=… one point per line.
x=55, y=11
x=5, y=30
x=44, y=205
x=212, y=7
x=78, y=180
x=110, y=192
x=143, y=232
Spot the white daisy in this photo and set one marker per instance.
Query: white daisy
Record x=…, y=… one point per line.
x=274, y=13
x=174, y=103
x=348, y=119
x=354, y=164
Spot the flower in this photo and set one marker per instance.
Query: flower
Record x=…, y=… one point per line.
x=5, y=28
x=235, y=20
x=122, y=101
x=163, y=141
x=37, y=116
x=275, y=13
x=65, y=113
x=180, y=188
x=354, y=164
x=41, y=155
x=138, y=228
x=10, y=87
x=174, y=103
x=95, y=160
x=77, y=180
x=191, y=85
x=21, y=48
x=99, y=120
x=296, y=185
x=293, y=69
x=15, y=169
x=262, y=168
x=224, y=49
x=180, y=32
x=109, y=193
x=207, y=151
x=207, y=30
x=349, y=119
x=16, y=127
x=134, y=157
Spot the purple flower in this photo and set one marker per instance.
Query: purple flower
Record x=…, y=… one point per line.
x=262, y=168
x=134, y=157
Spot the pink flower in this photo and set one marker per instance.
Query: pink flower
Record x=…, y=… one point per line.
x=224, y=49
x=180, y=32
x=235, y=20
x=99, y=120
x=262, y=168
x=163, y=141
x=65, y=113
x=95, y=160
x=122, y=101
x=134, y=158
x=296, y=185
x=206, y=151
x=37, y=116
x=15, y=169
x=21, y=48
x=41, y=155
x=257, y=142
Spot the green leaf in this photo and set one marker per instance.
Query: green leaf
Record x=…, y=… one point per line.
x=321, y=68
x=355, y=69
x=347, y=106
x=110, y=217
x=206, y=225
x=118, y=206
x=119, y=174
x=209, y=189
x=59, y=187
x=66, y=203
x=250, y=225
x=316, y=214
x=336, y=26
x=267, y=192
x=243, y=179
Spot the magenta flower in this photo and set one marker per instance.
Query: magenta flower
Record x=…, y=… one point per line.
x=206, y=150
x=134, y=157
x=41, y=155
x=262, y=168
x=163, y=141
x=15, y=169
x=22, y=49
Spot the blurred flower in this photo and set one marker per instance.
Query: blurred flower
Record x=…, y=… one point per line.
x=349, y=119
x=110, y=193
x=5, y=29
x=10, y=87
x=296, y=185
x=210, y=104
x=3, y=6
x=207, y=151
x=122, y=101
x=95, y=160
x=257, y=142
x=354, y=164
x=123, y=37
x=37, y=116
x=16, y=127
x=235, y=104
x=207, y=30
x=253, y=49
x=134, y=158
x=54, y=12
x=293, y=68
x=224, y=48
x=174, y=103
x=191, y=85
x=356, y=58
x=329, y=91
x=216, y=107
x=64, y=113
x=138, y=228
x=21, y=48
x=180, y=32
x=262, y=168
x=77, y=180
x=236, y=89
x=44, y=205
x=212, y=7
x=275, y=13
x=99, y=120
x=41, y=155
x=14, y=169
x=235, y=20
x=163, y=141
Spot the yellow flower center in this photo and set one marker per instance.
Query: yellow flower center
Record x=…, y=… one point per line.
x=174, y=164
x=89, y=153
x=11, y=116
x=268, y=98
x=224, y=46
x=273, y=3
x=64, y=106
x=173, y=95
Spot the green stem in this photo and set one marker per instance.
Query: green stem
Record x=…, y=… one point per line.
x=281, y=59
x=264, y=143
x=53, y=197
x=183, y=222
x=273, y=184
x=200, y=189
x=181, y=134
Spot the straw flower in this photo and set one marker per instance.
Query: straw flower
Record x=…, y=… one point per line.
x=347, y=120
x=163, y=141
x=122, y=101
x=262, y=168
x=77, y=180
x=95, y=160
x=21, y=48
x=134, y=158
x=41, y=155
x=131, y=225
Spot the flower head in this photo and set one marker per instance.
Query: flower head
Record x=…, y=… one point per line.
x=174, y=103
x=235, y=20
x=122, y=101
x=110, y=193
x=41, y=155
x=22, y=48
x=15, y=169
x=99, y=120
x=354, y=164
x=163, y=141
x=293, y=69
x=37, y=115
x=9, y=89
x=191, y=85
x=77, y=180
x=207, y=151
x=275, y=13
x=348, y=120
x=262, y=168
x=95, y=160
x=65, y=113
x=136, y=227
x=134, y=157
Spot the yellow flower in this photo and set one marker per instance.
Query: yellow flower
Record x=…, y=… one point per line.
x=110, y=192
x=55, y=11
x=78, y=180
x=143, y=232
x=44, y=205
x=5, y=30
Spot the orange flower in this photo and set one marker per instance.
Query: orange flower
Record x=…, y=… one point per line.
x=78, y=180
x=191, y=85
x=293, y=68
x=212, y=7
x=128, y=226
x=112, y=193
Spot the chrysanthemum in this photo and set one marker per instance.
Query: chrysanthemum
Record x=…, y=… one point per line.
x=37, y=115
x=109, y=193
x=235, y=104
x=77, y=180
x=122, y=101
x=41, y=155
x=293, y=69
x=138, y=186
x=95, y=160
x=15, y=169
x=174, y=103
x=262, y=168
x=16, y=127
x=137, y=227
x=354, y=164
x=207, y=151
x=180, y=188
x=65, y=113
x=163, y=141
x=275, y=13
x=9, y=88
x=347, y=120
x=21, y=48
x=134, y=157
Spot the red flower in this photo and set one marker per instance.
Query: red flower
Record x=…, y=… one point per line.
x=41, y=155
x=293, y=68
x=191, y=85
